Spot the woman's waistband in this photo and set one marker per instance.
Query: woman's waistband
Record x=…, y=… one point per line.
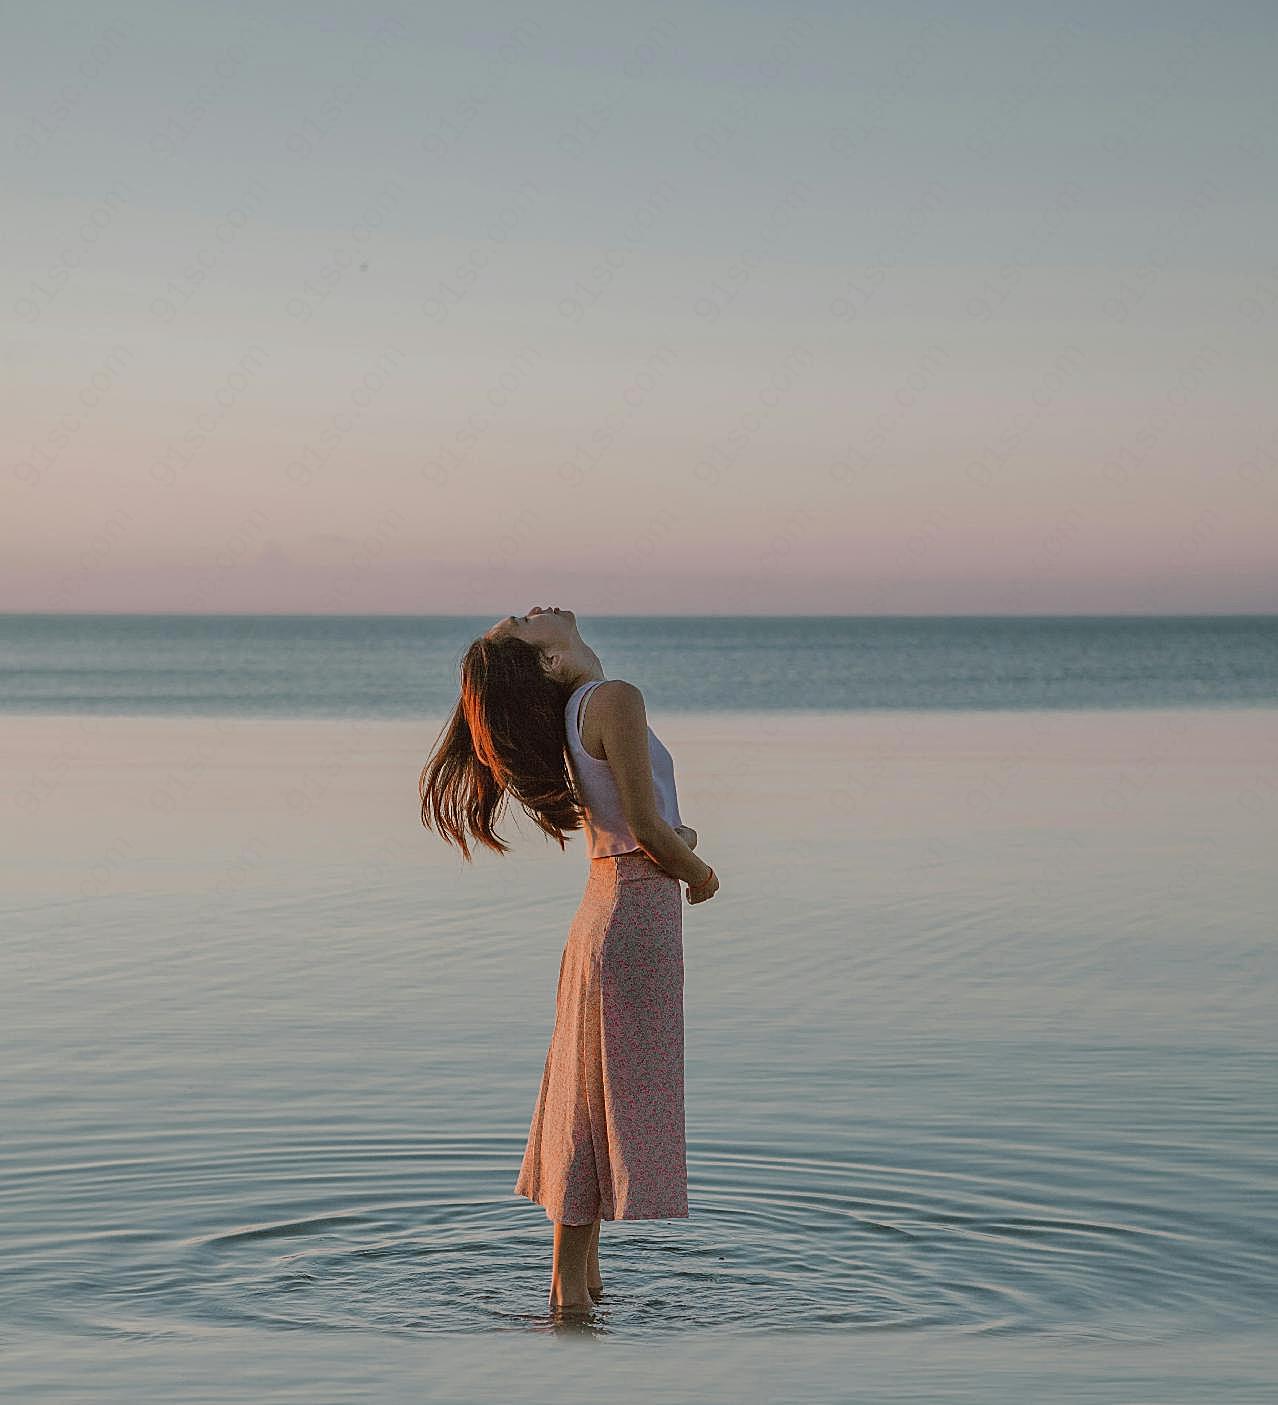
x=626, y=868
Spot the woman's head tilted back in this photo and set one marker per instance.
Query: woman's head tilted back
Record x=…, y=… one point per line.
x=505, y=737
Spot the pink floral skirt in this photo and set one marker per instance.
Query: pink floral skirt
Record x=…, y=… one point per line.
x=607, y=1134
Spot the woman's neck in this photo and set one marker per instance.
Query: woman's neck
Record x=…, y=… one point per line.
x=591, y=672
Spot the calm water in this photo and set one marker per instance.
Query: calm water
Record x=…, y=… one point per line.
x=981, y=1062
x=406, y=666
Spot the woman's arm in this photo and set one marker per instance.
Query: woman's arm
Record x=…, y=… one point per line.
x=623, y=724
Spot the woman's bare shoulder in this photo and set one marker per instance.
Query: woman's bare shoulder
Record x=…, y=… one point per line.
x=619, y=698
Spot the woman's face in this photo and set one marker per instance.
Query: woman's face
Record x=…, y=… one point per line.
x=547, y=627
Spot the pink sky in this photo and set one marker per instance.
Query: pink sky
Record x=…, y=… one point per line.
x=751, y=338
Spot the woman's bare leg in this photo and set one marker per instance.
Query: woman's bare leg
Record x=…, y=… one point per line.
x=593, y=1281
x=569, y=1288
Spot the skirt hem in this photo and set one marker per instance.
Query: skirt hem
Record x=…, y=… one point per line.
x=670, y=1215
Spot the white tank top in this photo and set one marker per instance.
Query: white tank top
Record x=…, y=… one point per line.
x=607, y=831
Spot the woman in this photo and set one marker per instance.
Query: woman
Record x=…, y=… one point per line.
x=606, y=1140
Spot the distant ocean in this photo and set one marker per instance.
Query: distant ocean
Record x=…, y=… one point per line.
x=407, y=666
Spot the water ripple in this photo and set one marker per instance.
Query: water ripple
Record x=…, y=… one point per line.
x=422, y=1234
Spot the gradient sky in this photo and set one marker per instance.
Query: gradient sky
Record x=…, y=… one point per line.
x=640, y=309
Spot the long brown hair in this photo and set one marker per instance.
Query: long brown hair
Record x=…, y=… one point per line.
x=505, y=740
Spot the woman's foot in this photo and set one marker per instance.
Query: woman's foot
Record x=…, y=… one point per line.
x=575, y=1281
x=569, y=1307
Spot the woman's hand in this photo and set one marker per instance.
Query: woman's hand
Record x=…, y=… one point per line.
x=707, y=889
x=687, y=834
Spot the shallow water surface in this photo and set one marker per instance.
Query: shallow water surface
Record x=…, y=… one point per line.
x=980, y=1062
